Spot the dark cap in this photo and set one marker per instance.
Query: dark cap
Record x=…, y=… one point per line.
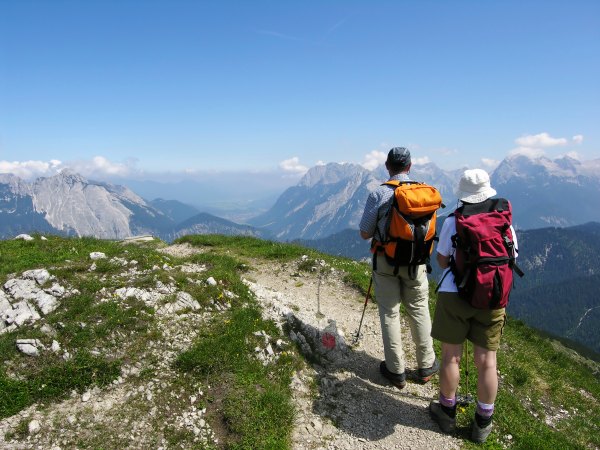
x=398, y=156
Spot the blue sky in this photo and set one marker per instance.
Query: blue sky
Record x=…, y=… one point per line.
x=145, y=88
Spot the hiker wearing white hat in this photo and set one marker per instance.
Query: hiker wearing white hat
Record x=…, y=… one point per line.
x=468, y=305
x=474, y=186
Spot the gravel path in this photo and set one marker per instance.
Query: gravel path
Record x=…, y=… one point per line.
x=355, y=407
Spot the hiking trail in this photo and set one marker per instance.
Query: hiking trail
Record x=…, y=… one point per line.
x=355, y=406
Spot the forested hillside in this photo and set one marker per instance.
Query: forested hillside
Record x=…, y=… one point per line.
x=559, y=291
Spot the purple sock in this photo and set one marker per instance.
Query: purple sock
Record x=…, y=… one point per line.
x=485, y=409
x=447, y=402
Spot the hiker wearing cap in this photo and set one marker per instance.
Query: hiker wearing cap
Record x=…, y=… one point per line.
x=456, y=319
x=396, y=284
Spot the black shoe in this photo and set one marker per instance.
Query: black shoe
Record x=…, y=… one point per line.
x=447, y=424
x=397, y=379
x=424, y=375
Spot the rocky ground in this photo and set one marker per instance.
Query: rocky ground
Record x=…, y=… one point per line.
x=342, y=400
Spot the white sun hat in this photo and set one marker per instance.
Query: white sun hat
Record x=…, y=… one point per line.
x=474, y=186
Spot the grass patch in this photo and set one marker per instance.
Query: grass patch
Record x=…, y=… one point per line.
x=256, y=399
x=55, y=381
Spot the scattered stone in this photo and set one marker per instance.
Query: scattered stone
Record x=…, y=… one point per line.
x=21, y=312
x=24, y=237
x=118, y=261
x=55, y=347
x=34, y=427
x=29, y=347
x=41, y=276
x=135, y=239
x=97, y=255
x=86, y=396
x=56, y=290
x=27, y=290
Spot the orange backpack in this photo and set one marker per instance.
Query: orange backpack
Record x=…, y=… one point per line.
x=410, y=227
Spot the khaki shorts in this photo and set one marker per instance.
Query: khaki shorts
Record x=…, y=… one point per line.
x=455, y=320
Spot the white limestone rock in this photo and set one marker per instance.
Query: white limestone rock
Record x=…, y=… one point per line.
x=183, y=301
x=55, y=347
x=4, y=303
x=56, y=290
x=97, y=255
x=30, y=347
x=27, y=289
x=211, y=281
x=21, y=313
x=41, y=276
x=24, y=237
x=34, y=427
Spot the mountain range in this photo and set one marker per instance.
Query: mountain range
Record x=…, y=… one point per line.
x=543, y=192
x=324, y=209
x=68, y=204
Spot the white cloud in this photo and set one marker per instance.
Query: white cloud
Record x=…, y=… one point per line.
x=540, y=140
x=421, y=161
x=293, y=166
x=320, y=163
x=527, y=151
x=98, y=166
x=489, y=164
x=374, y=159
x=31, y=169
x=578, y=138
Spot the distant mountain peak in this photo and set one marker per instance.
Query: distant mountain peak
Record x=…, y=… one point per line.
x=331, y=173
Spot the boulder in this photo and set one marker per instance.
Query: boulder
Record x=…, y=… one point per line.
x=24, y=237
x=41, y=276
x=30, y=347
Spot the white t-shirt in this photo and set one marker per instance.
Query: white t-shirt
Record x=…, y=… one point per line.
x=444, y=248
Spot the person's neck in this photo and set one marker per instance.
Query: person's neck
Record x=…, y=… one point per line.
x=393, y=174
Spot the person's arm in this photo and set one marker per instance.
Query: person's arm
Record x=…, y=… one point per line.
x=444, y=246
x=443, y=261
x=368, y=222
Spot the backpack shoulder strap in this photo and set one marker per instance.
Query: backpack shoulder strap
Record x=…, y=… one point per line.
x=489, y=205
x=396, y=183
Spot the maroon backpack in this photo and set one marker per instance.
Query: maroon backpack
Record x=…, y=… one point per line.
x=484, y=259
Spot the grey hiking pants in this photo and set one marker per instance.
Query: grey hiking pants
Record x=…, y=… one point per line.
x=391, y=290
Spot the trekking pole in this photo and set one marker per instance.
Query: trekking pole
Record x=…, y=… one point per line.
x=466, y=399
x=357, y=337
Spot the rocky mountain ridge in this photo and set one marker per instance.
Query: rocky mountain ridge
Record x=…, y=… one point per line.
x=68, y=204
x=542, y=191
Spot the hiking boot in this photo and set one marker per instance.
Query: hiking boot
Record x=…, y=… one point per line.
x=424, y=375
x=478, y=434
x=397, y=379
x=447, y=424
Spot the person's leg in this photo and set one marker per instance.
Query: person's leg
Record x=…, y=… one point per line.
x=487, y=389
x=444, y=410
x=415, y=297
x=450, y=370
x=487, y=374
x=387, y=292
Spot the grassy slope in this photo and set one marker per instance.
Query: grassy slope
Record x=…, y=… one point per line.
x=540, y=381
